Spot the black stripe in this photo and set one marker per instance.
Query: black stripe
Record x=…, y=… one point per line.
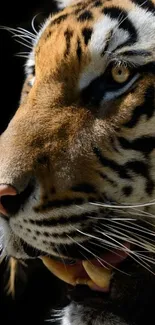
x=48, y=35
x=84, y=187
x=144, y=144
x=86, y=32
x=72, y=234
x=78, y=11
x=46, y=234
x=127, y=190
x=105, y=177
x=79, y=7
x=147, y=68
x=68, y=35
x=107, y=43
x=111, y=164
x=79, y=50
x=60, y=203
x=135, y=166
x=97, y=4
x=141, y=168
x=63, y=235
x=86, y=15
x=59, y=19
x=29, y=250
x=147, y=108
x=145, y=4
x=124, y=23
x=62, y=220
x=144, y=53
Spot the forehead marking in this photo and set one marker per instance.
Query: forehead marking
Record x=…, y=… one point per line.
x=96, y=46
x=86, y=32
x=68, y=35
x=123, y=22
x=126, y=29
x=58, y=20
x=79, y=49
x=85, y=16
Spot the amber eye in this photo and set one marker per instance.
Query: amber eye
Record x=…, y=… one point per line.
x=120, y=73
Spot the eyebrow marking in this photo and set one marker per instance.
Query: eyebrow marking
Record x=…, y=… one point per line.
x=148, y=5
x=124, y=23
x=136, y=53
x=108, y=40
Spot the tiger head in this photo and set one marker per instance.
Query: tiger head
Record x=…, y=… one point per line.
x=77, y=161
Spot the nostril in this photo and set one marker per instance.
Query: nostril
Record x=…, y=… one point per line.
x=11, y=201
x=6, y=190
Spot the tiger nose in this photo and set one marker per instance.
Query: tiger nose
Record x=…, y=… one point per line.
x=6, y=190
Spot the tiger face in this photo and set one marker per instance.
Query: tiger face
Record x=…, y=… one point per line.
x=77, y=161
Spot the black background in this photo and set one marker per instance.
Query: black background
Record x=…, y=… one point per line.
x=36, y=289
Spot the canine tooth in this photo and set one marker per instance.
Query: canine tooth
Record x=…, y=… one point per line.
x=99, y=275
x=82, y=281
x=63, y=272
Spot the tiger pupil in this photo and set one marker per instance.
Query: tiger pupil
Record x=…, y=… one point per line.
x=119, y=72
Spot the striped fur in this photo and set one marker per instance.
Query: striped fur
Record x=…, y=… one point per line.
x=80, y=149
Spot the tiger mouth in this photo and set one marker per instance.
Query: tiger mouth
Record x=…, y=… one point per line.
x=93, y=273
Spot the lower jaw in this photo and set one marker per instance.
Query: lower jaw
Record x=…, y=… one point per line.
x=92, y=273
x=96, y=274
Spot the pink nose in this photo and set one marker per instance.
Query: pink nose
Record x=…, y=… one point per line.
x=6, y=190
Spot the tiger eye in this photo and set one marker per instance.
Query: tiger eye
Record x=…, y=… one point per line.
x=120, y=73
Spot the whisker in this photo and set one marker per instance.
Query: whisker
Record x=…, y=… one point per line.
x=22, y=56
x=32, y=23
x=25, y=45
x=135, y=227
x=20, y=29
x=122, y=206
x=150, y=260
x=96, y=257
x=86, y=249
x=130, y=253
x=94, y=237
x=132, y=240
x=107, y=249
x=60, y=256
x=24, y=38
x=113, y=218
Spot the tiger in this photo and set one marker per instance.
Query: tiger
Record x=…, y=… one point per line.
x=77, y=160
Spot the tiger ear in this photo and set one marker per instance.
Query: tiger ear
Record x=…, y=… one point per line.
x=65, y=3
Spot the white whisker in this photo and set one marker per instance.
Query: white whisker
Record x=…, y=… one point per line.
x=129, y=238
x=135, y=227
x=122, y=206
x=32, y=23
x=95, y=237
x=25, y=45
x=130, y=252
x=20, y=29
x=25, y=40
x=96, y=257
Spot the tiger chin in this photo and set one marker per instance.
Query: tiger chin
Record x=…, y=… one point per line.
x=77, y=160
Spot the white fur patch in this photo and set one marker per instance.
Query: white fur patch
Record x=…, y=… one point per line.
x=65, y=3
x=101, y=31
x=29, y=64
x=144, y=23
x=32, y=81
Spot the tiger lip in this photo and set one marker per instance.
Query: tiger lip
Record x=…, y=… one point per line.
x=95, y=273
